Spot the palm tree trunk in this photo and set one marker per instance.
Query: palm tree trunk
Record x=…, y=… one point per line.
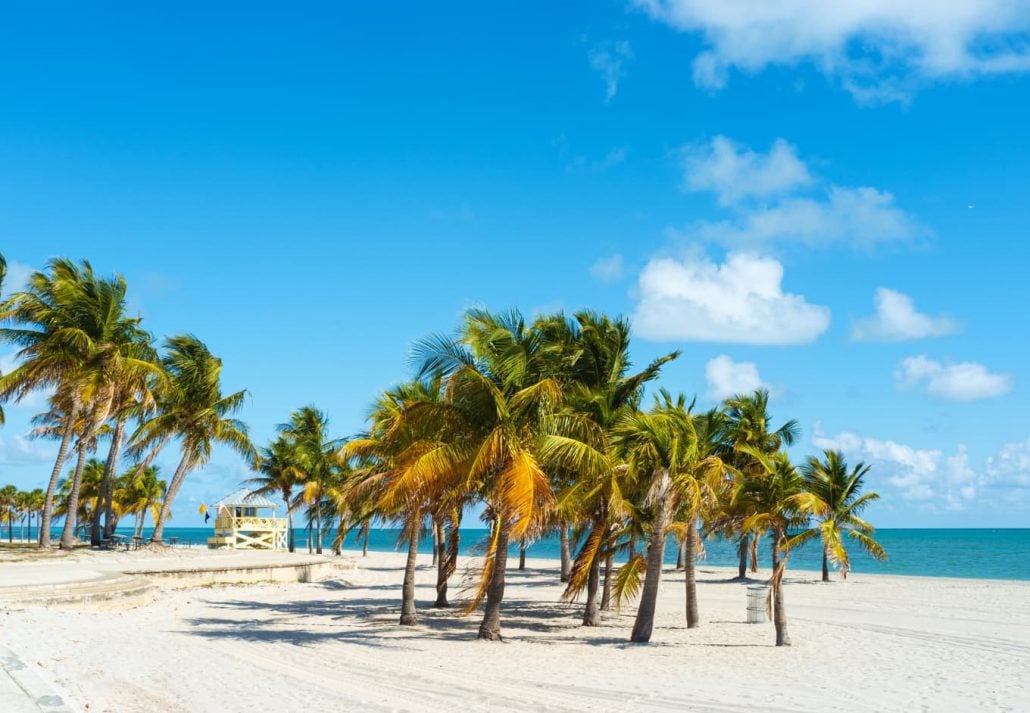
x=681, y=554
x=592, y=612
x=436, y=541
x=290, y=545
x=68, y=534
x=522, y=555
x=606, y=590
x=826, y=564
x=110, y=474
x=754, y=553
x=644, y=623
x=490, y=627
x=368, y=531
x=690, y=572
x=566, y=552
x=173, y=490
x=409, y=617
x=779, y=610
x=447, y=562
x=55, y=474
x=318, y=523
x=742, y=550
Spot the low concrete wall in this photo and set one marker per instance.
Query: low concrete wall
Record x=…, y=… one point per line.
x=287, y=572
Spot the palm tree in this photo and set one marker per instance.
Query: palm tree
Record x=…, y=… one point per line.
x=777, y=501
x=144, y=493
x=280, y=473
x=8, y=503
x=497, y=397
x=592, y=362
x=194, y=409
x=748, y=429
x=841, y=490
x=662, y=453
x=315, y=457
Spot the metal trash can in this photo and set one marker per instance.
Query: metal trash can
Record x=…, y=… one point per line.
x=756, y=609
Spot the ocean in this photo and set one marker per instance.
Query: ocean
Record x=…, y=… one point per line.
x=966, y=553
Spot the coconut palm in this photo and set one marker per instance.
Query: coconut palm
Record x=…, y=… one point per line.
x=777, y=502
x=315, y=457
x=497, y=397
x=831, y=481
x=8, y=508
x=748, y=429
x=280, y=473
x=662, y=453
x=193, y=409
x=143, y=494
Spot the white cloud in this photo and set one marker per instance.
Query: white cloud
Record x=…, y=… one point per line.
x=740, y=301
x=609, y=59
x=897, y=319
x=966, y=381
x=608, y=269
x=880, y=50
x=858, y=217
x=922, y=475
x=734, y=172
x=934, y=480
x=727, y=378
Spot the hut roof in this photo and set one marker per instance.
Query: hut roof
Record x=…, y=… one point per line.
x=245, y=498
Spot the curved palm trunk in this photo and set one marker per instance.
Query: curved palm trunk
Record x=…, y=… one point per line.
x=566, y=552
x=826, y=564
x=606, y=590
x=490, y=627
x=754, y=553
x=367, y=532
x=173, y=490
x=70, y=519
x=644, y=623
x=436, y=541
x=105, y=502
x=55, y=474
x=681, y=554
x=592, y=613
x=743, y=547
x=690, y=570
x=522, y=555
x=779, y=609
x=409, y=617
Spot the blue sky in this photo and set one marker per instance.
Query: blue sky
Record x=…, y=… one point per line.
x=828, y=202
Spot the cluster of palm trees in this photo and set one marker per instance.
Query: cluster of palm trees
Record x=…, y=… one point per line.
x=106, y=380
x=21, y=507
x=540, y=424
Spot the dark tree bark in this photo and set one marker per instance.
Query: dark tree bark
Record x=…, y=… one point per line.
x=690, y=575
x=754, y=553
x=826, y=565
x=490, y=627
x=522, y=555
x=742, y=550
x=566, y=552
x=71, y=516
x=606, y=590
x=779, y=610
x=409, y=617
x=318, y=523
x=592, y=612
x=436, y=540
x=48, y=506
x=644, y=623
x=446, y=562
x=681, y=555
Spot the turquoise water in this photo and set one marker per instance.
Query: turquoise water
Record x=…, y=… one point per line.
x=981, y=553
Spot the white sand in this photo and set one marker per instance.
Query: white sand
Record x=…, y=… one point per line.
x=874, y=643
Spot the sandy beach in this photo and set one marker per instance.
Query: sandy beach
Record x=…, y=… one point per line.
x=873, y=643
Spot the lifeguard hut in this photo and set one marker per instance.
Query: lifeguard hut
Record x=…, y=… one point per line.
x=246, y=521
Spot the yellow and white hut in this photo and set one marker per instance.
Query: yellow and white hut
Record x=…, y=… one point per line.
x=247, y=521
